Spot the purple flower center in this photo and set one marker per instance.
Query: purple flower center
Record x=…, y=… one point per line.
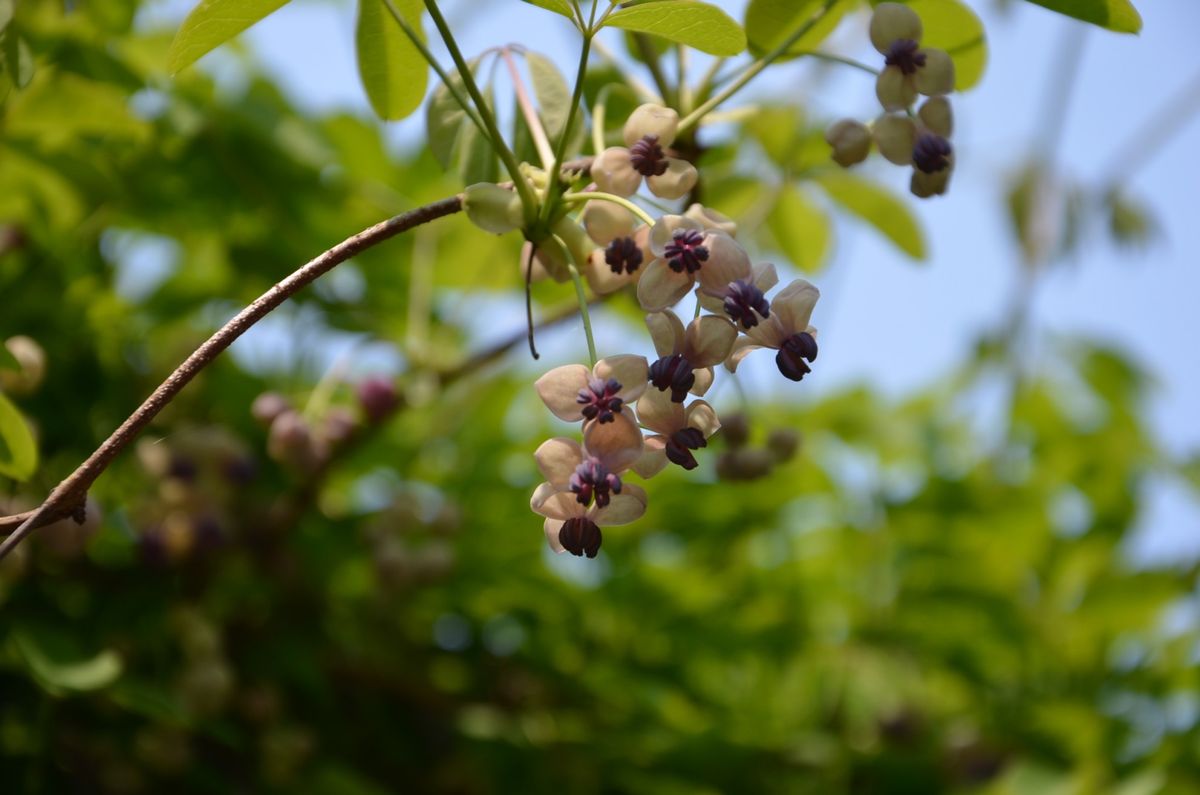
x=743, y=300
x=686, y=251
x=904, y=53
x=591, y=479
x=681, y=444
x=647, y=157
x=794, y=355
x=600, y=400
x=623, y=255
x=674, y=373
x=931, y=153
x=580, y=536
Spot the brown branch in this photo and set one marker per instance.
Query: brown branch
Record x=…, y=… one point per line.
x=67, y=498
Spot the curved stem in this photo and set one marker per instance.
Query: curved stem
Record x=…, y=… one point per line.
x=752, y=71
x=67, y=498
x=580, y=198
x=581, y=296
x=825, y=56
x=560, y=148
x=536, y=130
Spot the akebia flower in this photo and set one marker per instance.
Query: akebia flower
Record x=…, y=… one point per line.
x=787, y=331
x=909, y=69
x=574, y=392
x=649, y=133
x=922, y=143
x=679, y=431
x=742, y=299
x=619, y=263
x=686, y=356
x=686, y=253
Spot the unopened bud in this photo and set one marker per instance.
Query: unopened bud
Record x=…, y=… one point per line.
x=32, y=360
x=851, y=142
x=783, y=443
x=892, y=21
x=378, y=398
x=493, y=208
x=735, y=430
x=895, y=136
x=936, y=77
x=749, y=463
x=268, y=406
x=290, y=440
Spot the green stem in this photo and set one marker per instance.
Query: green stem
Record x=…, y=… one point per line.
x=646, y=50
x=752, y=71
x=581, y=296
x=579, y=198
x=556, y=187
x=528, y=200
x=705, y=86
x=825, y=56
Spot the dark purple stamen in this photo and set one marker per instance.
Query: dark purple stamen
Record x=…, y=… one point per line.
x=793, y=354
x=623, y=255
x=580, y=536
x=675, y=373
x=931, y=153
x=600, y=400
x=905, y=54
x=647, y=157
x=681, y=444
x=743, y=300
x=686, y=250
x=592, y=479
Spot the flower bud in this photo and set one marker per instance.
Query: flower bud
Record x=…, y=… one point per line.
x=290, y=440
x=937, y=116
x=892, y=21
x=32, y=359
x=268, y=406
x=493, y=208
x=894, y=90
x=735, y=430
x=650, y=119
x=936, y=77
x=748, y=463
x=783, y=443
x=895, y=136
x=378, y=398
x=605, y=222
x=851, y=142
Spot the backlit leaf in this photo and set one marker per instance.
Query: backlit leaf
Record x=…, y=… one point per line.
x=769, y=22
x=18, y=451
x=801, y=229
x=877, y=206
x=1116, y=15
x=695, y=24
x=392, y=69
x=211, y=24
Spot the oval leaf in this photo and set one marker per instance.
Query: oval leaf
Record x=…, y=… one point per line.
x=769, y=22
x=557, y=6
x=695, y=24
x=211, y=24
x=18, y=451
x=877, y=206
x=801, y=229
x=393, y=71
x=1116, y=15
x=58, y=676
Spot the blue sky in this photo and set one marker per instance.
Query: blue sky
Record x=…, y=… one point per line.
x=872, y=295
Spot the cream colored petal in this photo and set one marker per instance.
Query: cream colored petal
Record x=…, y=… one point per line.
x=651, y=119
x=794, y=305
x=704, y=380
x=666, y=330
x=770, y=333
x=711, y=219
x=894, y=89
x=618, y=444
x=559, y=390
x=600, y=276
x=659, y=413
x=764, y=276
x=557, y=459
x=891, y=21
x=703, y=417
x=727, y=262
x=895, y=136
x=605, y=222
x=623, y=508
x=741, y=349
x=937, y=116
x=936, y=77
x=654, y=457
x=708, y=339
x=661, y=287
x=664, y=229
x=628, y=370
x=551, y=527
x=676, y=182
x=554, y=503
x=711, y=300
x=613, y=172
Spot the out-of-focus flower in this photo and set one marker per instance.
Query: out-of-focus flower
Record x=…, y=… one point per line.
x=850, y=140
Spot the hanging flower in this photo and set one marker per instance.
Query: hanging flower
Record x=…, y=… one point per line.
x=619, y=263
x=678, y=432
x=787, y=331
x=574, y=392
x=686, y=356
x=686, y=252
x=909, y=69
x=649, y=132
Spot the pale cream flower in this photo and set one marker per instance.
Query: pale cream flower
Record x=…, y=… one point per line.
x=787, y=330
x=686, y=356
x=678, y=431
x=575, y=392
x=649, y=132
x=686, y=253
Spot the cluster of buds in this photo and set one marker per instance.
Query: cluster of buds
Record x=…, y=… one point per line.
x=919, y=139
x=742, y=460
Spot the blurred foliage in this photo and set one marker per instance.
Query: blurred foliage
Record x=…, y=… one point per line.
x=908, y=603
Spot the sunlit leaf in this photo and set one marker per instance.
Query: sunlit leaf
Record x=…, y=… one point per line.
x=769, y=22
x=557, y=6
x=801, y=229
x=392, y=69
x=18, y=450
x=1116, y=15
x=56, y=675
x=211, y=24
x=695, y=24
x=879, y=207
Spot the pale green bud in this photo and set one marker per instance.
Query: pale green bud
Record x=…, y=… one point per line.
x=850, y=140
x=493, y=208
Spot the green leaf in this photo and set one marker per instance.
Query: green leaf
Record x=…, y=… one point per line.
x=453, y=138
x=557, y=6
x=58, y=676
x=18, y=451
x=18, y=59
x=553, y=98
x=769, y=22
x=801, y=229
x=6, y=13
x=877, y=206
x=695, y=24
x=211, y=24
x=7, y=360
x=1116, y=15
x=392, y=69
x=952, y=26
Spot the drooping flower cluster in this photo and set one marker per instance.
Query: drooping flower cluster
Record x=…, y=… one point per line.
x=920, y=139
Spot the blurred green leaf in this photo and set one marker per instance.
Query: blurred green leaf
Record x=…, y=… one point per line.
x=392, y=69
x=695, y=24
x=18, y=450
x=553, y=99
x=18, y=59
x=769, y=22
x=1116, y=15
x=58, y=675
x=801, y=229
x=455, y=140
x=211, y=24
x=6, y=13
x=877, y=206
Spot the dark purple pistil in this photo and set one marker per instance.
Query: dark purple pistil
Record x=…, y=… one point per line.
x=600, y=400
x=931, y=153
x=743, y=300
x=623, y=255
x=591, y=479
x=686, y=251
x=647, y=157
x=794, y=355
x=580, y=536
x=674, y=373
x=904, y=53
x=681, y=444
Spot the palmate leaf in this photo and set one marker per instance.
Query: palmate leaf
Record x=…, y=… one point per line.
x=393, y=71
x=1115, y=15
x=211, y=24
x=18, y=451
x=700, y=25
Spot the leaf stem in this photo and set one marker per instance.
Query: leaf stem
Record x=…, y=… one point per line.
x=545, y=153
x=581, y=296
x=556, y=187
x=579, y=198
x=825, y=56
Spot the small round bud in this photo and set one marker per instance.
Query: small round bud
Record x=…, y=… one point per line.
x=268, y=406
x=894, y=89
x=338, y=426
x=290, y=440
x=895, y=136
x=493, y=208
x=32, y=359
x=748, y=463
x=937, y=116
x=783, y=443
x=651, y=119
x=892, y=21
x=850, y=140
x=936, y=77
x=378, y=398
x=735, y=430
